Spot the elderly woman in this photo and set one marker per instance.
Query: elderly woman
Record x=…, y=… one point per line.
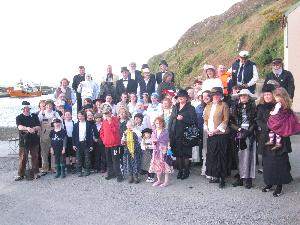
x=166, y=84
x=183, y=115
x=276, y=165
x=216, y=117
x=242, y=123
x=66, y=90
x=211, y=78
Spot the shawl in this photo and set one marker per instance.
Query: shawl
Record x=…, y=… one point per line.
x=130, y=142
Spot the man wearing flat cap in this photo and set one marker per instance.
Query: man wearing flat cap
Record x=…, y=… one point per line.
x=244, y=72
x=126, y=84
x=283, y=77
x=163, y=66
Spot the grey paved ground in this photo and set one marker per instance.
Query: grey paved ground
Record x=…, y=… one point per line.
x=93, y=200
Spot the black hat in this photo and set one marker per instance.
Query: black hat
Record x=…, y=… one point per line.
x=25, y=104
x=146, y=130
x=277, y=61
x=124, y=68
x=268, y=88
x=163, y=62
x=139, y=115
x=182, y=93
x=144, y=66
x=216, y=90
x=55, y=120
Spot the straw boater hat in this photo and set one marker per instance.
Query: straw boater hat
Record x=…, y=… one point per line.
x=244, y=54
x=244, y=92
x=217, y=91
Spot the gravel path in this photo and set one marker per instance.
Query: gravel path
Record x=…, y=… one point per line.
x=93, y=200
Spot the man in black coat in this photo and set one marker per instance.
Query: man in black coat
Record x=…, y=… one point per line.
x=125, y=85
x=76, y=81
x=283, y=77
x=147, y=84
x=163, y=65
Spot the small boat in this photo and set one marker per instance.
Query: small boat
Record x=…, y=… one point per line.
x=23, y=90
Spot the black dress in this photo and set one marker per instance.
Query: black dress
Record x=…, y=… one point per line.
x=176, y=128
x=276, y=163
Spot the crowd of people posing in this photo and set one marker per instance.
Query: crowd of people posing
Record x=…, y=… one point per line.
x=138, y=125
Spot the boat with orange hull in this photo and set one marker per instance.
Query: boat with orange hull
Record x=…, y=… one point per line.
x=23, y=90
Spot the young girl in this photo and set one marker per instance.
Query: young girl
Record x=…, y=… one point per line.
x=123, y=115
x=70, y=153
x=282, y=121
x=160, y=140
x=147, y=150
x=167, y=109
x=132, y=153
x=58, y=138
x=132, y=103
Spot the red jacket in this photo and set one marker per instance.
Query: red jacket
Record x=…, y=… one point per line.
x=110, y=134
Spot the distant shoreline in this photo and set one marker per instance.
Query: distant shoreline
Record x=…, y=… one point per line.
x=8, y=132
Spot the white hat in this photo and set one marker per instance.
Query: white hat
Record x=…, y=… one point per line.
x=146, y=70
x=244, y=92
x=206, y=67
x=244, y=54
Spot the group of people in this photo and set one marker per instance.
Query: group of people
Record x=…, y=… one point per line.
x=136, y=125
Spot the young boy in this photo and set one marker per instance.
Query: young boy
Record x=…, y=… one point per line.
x=70, y=153
x=82, y=143
x=58, y=139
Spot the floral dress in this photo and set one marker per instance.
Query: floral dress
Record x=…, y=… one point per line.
x=158, y=164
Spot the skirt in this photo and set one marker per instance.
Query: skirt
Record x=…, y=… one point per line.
x=180, y=150
x=276, y=168
x=146, y=159
x=216, y=155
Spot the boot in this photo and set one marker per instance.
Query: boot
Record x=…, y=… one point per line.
x=278, y=190
x=69, y=170
x=180, y=173
x=238, y=182
x=130, y=179
x=248, y=183
x=63, y=172
x=58, y=171
x=222, y=183
x=87, y=172
x=185, y=175
x=136, y=179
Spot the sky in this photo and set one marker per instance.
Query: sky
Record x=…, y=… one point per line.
x=44, y=41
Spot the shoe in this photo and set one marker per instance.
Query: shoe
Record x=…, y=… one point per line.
x=157, y=183
x=130, y=179
x=36, y=176
x=119, y=179
x=261, y=171
x=109, y=177
x=164, y=184
x=150, y=180
x=185, y=175
x=214, y=180
x=267, y=188
x=269, y=143
x=222, y=183
x=18, y=178
x=277, y=146
x=44, y=173
x=180, y=173
x=248, y=184
x=277, y=191
x=238, y=182
x=136, y=179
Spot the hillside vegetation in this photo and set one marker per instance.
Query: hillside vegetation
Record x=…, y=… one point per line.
x=253, y=25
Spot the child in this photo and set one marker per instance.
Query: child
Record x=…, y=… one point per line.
x=147, y=150
x=58, y=139
x=123, y=115
x=282, y=120
x=132, y=153
x=99, y=151
x=70, y=153
x=82, y=139
x=110, y=135
x=160, y=139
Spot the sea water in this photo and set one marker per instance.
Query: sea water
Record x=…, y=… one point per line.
x=10, y=108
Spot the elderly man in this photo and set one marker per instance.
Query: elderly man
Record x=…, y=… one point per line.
x=126, y=84
x=76, y=81
x=163, y=66
x=147, y=84
x=134, y=74
x=28, y=125
x=244, y=72
x=283, y=77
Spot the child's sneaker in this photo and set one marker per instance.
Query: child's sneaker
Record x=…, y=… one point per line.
x=150, y=180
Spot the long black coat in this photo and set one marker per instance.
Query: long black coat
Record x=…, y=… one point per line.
x=176, y=128
x=120, y=88
x=263, y=113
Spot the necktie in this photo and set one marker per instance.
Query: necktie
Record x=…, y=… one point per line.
x=240, y=75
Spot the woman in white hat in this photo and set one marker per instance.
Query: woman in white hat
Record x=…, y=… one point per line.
x=242, y=123
x=211, y=78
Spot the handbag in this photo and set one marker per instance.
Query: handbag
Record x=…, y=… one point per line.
x=191, y=136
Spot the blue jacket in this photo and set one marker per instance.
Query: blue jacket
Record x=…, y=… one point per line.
x=248, y=73
x=88, y=138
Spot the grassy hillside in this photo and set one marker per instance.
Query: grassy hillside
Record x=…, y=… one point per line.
x=253, y=25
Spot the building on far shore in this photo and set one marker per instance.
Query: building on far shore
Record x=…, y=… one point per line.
x=292, y=48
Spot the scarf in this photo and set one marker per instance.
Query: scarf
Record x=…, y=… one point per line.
x=130, y=142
